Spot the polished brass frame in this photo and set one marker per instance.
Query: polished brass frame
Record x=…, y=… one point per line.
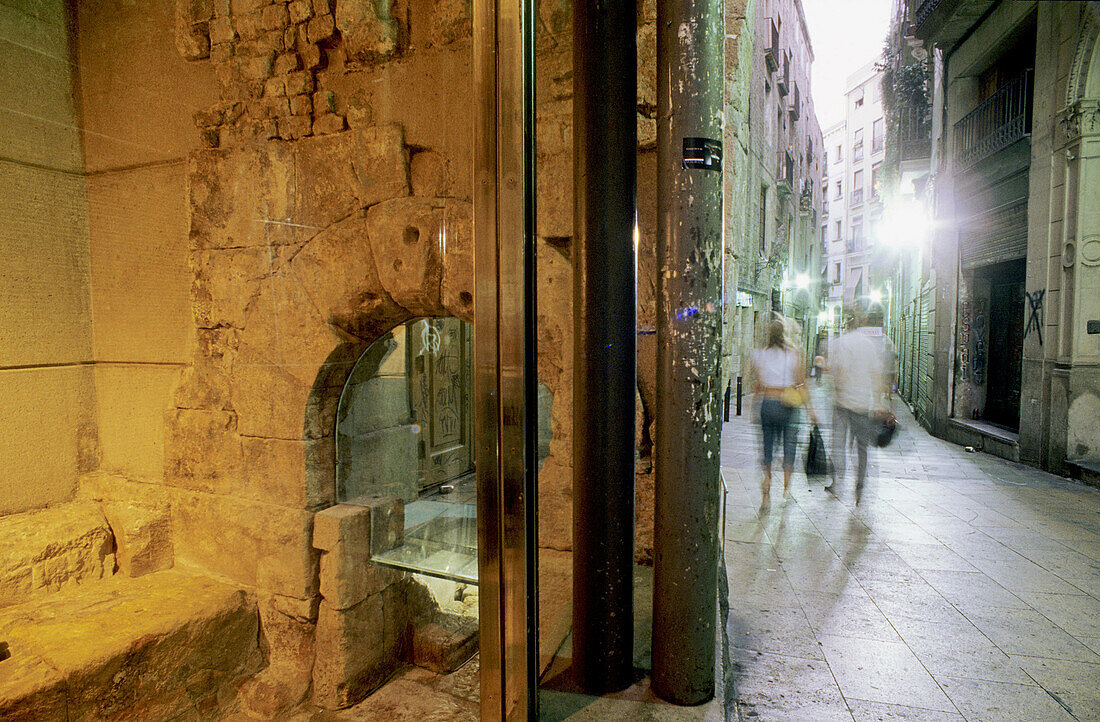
x=505, y=379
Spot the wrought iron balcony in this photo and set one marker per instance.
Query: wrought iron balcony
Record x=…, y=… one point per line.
x=914, y=134
x=1000, y=121
x=784, y=172
x=783, y=79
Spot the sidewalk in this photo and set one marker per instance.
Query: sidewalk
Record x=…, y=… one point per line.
x=963, y=587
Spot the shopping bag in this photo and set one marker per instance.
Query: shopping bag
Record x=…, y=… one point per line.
x=816, y=463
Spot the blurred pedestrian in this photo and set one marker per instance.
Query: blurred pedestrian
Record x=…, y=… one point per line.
x=862, y=362
x=780, y=386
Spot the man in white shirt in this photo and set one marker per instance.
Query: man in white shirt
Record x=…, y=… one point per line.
x=862, y=362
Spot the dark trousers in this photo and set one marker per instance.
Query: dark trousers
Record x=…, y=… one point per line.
x=858, y=427
x=778, y=420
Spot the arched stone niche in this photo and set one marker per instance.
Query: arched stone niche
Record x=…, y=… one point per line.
x=302, y=254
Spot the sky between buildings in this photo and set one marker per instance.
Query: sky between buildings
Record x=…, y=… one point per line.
x=846, y=35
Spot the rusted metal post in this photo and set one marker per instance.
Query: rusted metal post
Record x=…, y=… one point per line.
x=689, y=327
x=604, y=302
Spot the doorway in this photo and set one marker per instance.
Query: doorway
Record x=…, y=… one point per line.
x=1006, y=344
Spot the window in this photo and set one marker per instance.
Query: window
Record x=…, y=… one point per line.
x=875, y=180
x=857, y=187
x=857, y=145
x=763, y=215
x=839, y=228
x=839, y=155
x=856, y=242
x=824, y=239
x=836, y=273
x=878, y=137
x=859, y=98
x=838, y=193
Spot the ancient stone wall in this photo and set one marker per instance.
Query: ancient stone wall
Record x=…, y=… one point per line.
x=47, y=401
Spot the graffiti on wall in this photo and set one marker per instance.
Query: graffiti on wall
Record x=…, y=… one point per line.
x=964, y=340
x=977, y=365
x=1035, y=317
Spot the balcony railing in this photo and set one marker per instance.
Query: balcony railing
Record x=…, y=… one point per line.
x=771, y=53
x=1000, y=121
x=785, y=170
x=914, y=134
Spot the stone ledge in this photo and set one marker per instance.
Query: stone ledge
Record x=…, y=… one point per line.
x=51, y=549
x=155, y=647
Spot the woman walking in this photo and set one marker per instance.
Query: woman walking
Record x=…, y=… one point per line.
x=780, y=384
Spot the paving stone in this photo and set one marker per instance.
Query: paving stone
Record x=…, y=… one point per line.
x=997, y=701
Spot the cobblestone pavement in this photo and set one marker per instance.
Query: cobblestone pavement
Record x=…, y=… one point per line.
x=962, y=587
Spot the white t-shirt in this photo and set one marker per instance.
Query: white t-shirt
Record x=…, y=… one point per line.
x=861, y=362
x=776, y=366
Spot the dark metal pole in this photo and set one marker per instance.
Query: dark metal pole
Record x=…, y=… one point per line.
x=739, y=393
x=689, y=327
x=604, y=302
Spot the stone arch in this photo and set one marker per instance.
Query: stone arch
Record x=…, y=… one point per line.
x=1085, y=64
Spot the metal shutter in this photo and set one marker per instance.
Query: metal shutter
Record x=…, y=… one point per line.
x=994, y=236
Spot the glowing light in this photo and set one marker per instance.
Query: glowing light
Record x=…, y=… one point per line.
x=875, y=295
x=823, y=318
x=802, y=281
x=905, y=224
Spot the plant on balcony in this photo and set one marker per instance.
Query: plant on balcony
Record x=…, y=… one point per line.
x=906, y=90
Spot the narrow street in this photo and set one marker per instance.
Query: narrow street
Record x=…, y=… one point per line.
x=963, y=587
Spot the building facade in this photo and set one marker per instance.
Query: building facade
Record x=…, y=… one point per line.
x=854, y=152
x=1014, y=245
x=775, y=246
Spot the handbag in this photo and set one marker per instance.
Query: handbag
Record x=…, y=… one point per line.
x=886, y=430
x=816, y=463
x=793, y=396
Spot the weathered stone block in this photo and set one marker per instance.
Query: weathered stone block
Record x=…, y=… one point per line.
x=328, y=123
x=349, y=661
x=258, y=68
x=287, y=63
x=192, y=29
x=312, y=57
x=222, y=52
x=274, y=87
x=288, y=644
x=428, y=174
x=248, y=25
x=444, y=642
x=298, y=83
x=202, y=450
x=275, y=17
x=257, y=544
x=139, y=518
x=295, y=127
x=321, y=28
x=300, y=11
x=342, y=172
x=302, y=105
x=407, y=235
x=55, y=548
x=157, y=647
x=324, y=101
x=387, y=524
x=222, y=31
x=369, y=29
x=450, y=21
x=342, y=523
x=297, y=473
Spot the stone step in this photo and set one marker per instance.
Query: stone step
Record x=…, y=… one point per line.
x=155, y=647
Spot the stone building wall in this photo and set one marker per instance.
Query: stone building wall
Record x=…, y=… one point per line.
x=47, y=397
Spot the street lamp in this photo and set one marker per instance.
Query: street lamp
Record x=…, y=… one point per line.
x=802, y=281
x=875, y=296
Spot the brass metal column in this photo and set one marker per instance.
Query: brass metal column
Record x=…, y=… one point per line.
x=505, y=378
x=689, y=328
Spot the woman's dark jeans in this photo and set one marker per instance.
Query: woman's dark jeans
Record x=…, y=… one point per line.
x=778, y=419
